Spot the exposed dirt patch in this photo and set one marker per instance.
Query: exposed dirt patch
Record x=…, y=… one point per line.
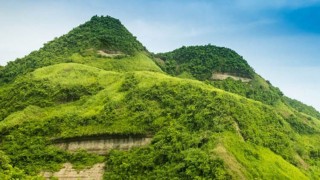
x=68, y=173
x=223, y=76
x=231, y=162
x=110, y=54
x=237, y=128
x=302, y=163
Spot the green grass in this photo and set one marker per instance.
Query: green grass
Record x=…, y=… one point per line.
x=260, y=162
x=138, y=62
x=70, y=74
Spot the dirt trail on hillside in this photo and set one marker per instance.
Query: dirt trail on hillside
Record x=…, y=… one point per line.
x=231, y=162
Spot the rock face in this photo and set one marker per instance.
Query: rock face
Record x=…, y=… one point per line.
x=94, y=144
x=68, y=173
x=103, y=144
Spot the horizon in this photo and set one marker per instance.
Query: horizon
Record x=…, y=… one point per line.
x=279, y=39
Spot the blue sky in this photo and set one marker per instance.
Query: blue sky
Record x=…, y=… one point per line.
x=279, y=38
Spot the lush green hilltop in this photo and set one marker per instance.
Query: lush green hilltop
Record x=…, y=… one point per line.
x=202, y=61
x=104, y=83
x=100, y=33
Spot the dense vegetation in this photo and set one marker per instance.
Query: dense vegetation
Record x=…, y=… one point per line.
x=253, y=90
x=187, y=118
x=202, y=61
x=198, y=129
x=100, y=33
x=300, y=107
x=263, y=91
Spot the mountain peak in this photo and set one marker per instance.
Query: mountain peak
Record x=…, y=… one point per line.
x=100, y=33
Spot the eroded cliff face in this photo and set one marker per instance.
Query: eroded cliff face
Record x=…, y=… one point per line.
x=103, y=144
x=94, y=144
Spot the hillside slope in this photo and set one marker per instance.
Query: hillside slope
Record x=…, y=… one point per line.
x=198, y=129
x=227, y=70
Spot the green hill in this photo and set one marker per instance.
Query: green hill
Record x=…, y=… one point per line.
x=104, y=34
x=201, y=128
x=202, y=61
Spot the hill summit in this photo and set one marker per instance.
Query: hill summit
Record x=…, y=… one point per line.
x=95, y=103
x=202, y=61
x=102, y=33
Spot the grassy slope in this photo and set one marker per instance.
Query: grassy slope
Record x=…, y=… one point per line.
x=128, y=103
x=18, y=95
x=247, y=160
x=139, y=62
